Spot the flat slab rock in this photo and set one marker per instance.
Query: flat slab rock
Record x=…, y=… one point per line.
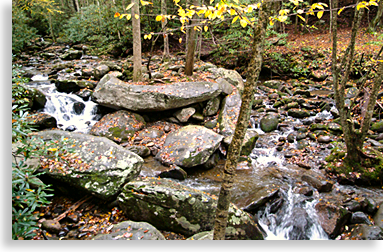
x=106, y=165
x=170, y=206
x=189, y=146
x=114, y=93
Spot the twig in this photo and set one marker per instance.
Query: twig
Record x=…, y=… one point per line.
x=72, y=208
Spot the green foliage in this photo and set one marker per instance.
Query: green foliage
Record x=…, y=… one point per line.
x=22, y=32
x=97, y=26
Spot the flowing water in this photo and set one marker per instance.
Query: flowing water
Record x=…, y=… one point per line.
x=71, y=112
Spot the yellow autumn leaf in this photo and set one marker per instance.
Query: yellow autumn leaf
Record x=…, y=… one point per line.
x=145, y=3
x=52, y=149
x=243, y=23
x=232, y=12
x=180, y=40
x=234, y=19
x=340, y=11
x=129, y=6
x=117, y=14
x=271, y=22
x=201, y=12
x=128, y=16
x=136, y=16
x=159, y=18
x=206, y=28
x=304, y=20
x=320, y=14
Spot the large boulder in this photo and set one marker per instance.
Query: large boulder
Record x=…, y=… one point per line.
x=189, y=146
x=170, y=206
x=118, y=126
x=97, y=166
x=332, y=218
x=231, y=76
x=114, y=93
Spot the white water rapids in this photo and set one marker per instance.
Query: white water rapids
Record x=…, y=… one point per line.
x=70, y=111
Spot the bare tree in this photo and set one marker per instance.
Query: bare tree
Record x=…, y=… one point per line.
x=254, y=68
x=354, y=137
x=136, y=25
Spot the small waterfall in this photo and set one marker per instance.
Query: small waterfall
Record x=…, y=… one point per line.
x=296, y=219
x=72, y=113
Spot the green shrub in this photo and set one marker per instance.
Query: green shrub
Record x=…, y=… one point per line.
x=22, y=33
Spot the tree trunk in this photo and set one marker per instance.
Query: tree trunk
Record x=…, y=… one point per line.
x=189, y=65
x=137, y=60
x=353, y=138
x=377, y=19
x=234, y=151
x=166, y=55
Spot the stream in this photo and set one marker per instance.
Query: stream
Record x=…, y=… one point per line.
x=292, y=216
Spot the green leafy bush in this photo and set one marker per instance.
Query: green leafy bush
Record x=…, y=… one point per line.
x=96, y=25
x=22, y=33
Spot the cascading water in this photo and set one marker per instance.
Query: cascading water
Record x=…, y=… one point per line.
x=293, y=215
x=296, y=219
x=71, y=112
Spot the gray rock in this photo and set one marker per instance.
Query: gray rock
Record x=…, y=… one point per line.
x=212, y=107
x=189, y=146
x=298, y=113
x=140, y=150
x=324, y=139
x=274, y=84
x=231, y=76
x=320, y=185
x=360, y=218
x=69, y=86
x=184, y=114
x=52, y=226
x=378, y=217
x=174, y=172
x=332, y=218
x=118, y=126
x=269, y=122
x=71, y=55
x=130, y=230
x=100, y=71
x=367, y=232
x=229, y=113
x=206, y=235
x=114, y=93
x=105, y=166
x=171, y=206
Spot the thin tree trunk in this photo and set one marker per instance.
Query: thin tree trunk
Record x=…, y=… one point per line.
x=166, y=55
x=235, y=148
x=377, y=19
x=353, y=138
x=137, y=60
x=189, y=65
x=51, y=26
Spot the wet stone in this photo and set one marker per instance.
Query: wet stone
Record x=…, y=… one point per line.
x=360, y=218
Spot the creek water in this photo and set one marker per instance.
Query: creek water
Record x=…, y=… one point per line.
x=71, y=112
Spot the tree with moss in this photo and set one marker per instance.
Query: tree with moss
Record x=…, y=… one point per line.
x=356, y=159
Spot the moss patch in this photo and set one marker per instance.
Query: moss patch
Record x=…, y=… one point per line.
x=369, y=172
